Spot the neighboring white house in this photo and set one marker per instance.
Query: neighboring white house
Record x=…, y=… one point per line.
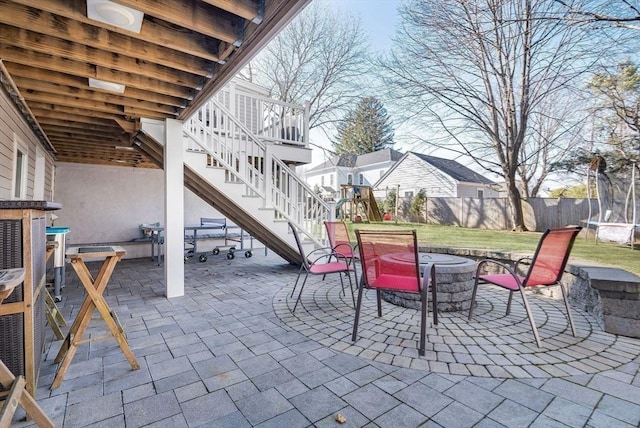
x=350, y=169
x=437, y=176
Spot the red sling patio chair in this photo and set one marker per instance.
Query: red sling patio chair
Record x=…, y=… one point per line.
x=545, y=270
x=381, y=272
x=312, y=263
x=340, y=242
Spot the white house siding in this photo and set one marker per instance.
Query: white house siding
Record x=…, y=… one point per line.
x=12, y=123
x=97, y=209
x=414, y=174
x=470, y=190
x=343, y=176
x=372, y=173
x=316, y=179
x=340, y=176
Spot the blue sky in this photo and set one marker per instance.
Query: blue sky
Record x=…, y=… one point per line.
x=378, y=17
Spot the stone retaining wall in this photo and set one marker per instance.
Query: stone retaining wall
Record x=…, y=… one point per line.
x=611, y=295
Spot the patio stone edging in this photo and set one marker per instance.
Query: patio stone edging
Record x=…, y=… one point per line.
x=611, y=295
x=620, y=299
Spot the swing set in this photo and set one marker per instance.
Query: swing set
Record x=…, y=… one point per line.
x=617, y=217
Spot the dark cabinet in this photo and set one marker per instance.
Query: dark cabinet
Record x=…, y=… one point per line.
x=22, y=314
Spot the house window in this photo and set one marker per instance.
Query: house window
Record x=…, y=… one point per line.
x=19, y=169
x=349, y=179
x=408, y=194
x=322, y=181
x=361, y=179
x=331, y=180
x=480, y=193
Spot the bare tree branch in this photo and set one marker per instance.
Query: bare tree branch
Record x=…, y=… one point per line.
x=483, y=74
x=319, y=58
x=619, y=13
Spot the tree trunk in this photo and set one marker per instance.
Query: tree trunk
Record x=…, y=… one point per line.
x=517, y=214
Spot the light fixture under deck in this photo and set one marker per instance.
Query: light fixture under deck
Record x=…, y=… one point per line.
x=107, y=86
x=115, y=14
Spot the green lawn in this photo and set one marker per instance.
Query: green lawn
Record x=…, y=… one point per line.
x=585, y=250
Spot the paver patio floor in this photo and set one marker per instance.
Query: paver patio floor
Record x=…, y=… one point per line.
x=231, y=353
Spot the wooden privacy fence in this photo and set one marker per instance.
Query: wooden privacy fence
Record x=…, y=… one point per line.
x=495, y=213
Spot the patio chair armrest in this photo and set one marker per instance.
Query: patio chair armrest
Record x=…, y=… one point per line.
x=428, y=274
x=521, y=260
x=352, y=248
x=326, y=253
x=504, y=266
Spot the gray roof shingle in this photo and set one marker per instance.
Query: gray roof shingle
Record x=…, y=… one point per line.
x=454, y=169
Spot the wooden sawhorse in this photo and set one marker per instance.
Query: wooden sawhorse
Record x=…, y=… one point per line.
x=94, y=300
x=18, y=395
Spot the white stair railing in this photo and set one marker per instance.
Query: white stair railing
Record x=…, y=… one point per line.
x=248, y=159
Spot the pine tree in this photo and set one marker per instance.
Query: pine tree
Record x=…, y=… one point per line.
x=365, y=129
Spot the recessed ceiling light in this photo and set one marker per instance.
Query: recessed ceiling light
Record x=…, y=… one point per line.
x=107, y=86
x=115, y=14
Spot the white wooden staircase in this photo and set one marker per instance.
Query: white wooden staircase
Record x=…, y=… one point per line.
x=231, y=162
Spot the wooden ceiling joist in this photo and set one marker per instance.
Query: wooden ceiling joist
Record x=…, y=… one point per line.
x=185, y=51
x=163, y=33
x=63, y=65
x=86, y=96
x=157, y=110
x=198, y=16
x=247, y=9
x=71, y=125
x=79, y=120
x=72, y=132
x=100, y=58
x=19, y=71
x=37, y=107
x=73, y=31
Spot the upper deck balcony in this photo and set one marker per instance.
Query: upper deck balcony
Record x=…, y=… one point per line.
x=282, y=126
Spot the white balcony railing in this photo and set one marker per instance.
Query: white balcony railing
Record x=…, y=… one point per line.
x=268, y=119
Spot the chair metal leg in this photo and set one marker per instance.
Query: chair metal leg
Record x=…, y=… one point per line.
x=566, y=304
x=530, y=315
x=473, y=297
x=423, y=321
x=355, y=270
x=342, y=283
x=509, y=302
x=379, y=298
x=434, y=299
x=354, y=334
x=295, y=284
x=300, y=293
x=353, y=298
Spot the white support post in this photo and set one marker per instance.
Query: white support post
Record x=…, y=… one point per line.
x=174, y=209
x=307, y=109
x=332, y=210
